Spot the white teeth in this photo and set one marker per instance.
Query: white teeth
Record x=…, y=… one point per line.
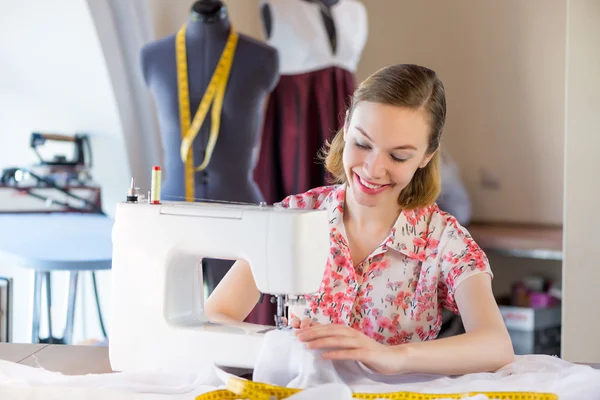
x=368, y=184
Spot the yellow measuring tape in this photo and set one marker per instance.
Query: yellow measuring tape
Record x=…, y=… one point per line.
x=242, y=389
x=214, y=92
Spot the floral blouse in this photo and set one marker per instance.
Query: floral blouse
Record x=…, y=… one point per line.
x=397, y=294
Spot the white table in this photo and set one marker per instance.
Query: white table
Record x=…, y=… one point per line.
x=56, y=241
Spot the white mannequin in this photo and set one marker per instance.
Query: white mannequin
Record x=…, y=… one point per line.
x=297, y=30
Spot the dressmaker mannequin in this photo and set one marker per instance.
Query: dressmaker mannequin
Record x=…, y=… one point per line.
x=319, y=44
x=254, y=73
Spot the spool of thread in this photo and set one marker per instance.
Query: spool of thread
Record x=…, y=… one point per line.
x=156, y=181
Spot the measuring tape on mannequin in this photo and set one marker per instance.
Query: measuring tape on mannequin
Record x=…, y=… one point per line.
x=238, y=388
x=214, y=94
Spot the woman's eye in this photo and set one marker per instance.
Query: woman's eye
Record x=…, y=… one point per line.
x=398, y=159
x=362, y=146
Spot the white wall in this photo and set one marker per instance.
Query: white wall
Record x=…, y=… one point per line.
x=581, y=271
x=53, y=77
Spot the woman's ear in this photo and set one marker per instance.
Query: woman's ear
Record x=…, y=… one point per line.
x=426, y=160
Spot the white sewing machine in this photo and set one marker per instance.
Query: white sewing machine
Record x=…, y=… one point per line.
x=157, y=320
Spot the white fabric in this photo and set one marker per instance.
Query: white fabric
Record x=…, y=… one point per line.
x=300, y=37
x=21, y=381
x=286, y=362
x=303, y=368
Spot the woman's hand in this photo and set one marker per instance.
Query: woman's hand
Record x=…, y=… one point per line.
x=341, y=342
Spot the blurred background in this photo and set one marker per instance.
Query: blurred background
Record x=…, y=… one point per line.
x=521, y=77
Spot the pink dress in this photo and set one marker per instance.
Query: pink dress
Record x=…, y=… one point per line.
x=397, y=294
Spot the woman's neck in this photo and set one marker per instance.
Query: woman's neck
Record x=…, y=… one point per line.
x=369, y=219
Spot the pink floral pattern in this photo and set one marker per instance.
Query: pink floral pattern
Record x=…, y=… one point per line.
x=397, y=294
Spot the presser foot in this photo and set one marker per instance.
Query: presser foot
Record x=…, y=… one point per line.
x=280, y=323
x=282, y=302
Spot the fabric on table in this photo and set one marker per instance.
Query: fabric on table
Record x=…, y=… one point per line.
x=285, y=361
x=22, y=381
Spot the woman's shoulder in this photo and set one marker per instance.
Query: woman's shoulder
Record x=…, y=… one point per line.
x=455, y=241
x=440, y=227
x=312, y=199
x=445, y=223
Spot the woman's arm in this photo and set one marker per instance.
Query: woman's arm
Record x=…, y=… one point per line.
x=486, y=345
x=235, y=296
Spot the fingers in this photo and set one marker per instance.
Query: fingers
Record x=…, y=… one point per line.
x=295, y=322
x=306, y=322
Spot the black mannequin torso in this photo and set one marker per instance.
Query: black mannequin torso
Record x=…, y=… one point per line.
x=254, y=73
x=326, y=15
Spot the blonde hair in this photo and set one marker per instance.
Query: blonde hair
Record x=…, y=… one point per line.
x=402, y=85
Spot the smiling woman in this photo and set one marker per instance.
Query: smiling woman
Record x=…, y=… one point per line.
x=396, y=260
x=384, y=162
x=396, y=115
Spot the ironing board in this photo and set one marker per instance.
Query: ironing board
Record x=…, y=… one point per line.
x=58, y=241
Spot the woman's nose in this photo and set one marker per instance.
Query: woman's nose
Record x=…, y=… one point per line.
x=375, y=166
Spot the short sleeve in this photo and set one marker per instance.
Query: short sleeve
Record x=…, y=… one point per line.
x=461, y=258
x=313, y=199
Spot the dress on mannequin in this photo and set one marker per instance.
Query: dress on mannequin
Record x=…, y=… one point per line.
x=253, y=75
x=319, y=43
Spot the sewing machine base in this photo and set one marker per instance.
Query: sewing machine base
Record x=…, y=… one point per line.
x=232, y=345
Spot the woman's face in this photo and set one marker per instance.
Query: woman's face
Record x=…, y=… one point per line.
x=384, y=147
